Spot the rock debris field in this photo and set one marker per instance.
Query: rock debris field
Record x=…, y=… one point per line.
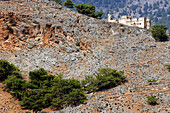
x=47, y=35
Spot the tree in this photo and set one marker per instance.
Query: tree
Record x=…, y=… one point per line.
x=58, y=1
x=16, y=86
x=66, y=92
x=34, y=100
x=99, y=15
x=46, y=90
x=88, y=10
x=7, y=69
x=105, y=78
x=69, y=3
x=159, y=32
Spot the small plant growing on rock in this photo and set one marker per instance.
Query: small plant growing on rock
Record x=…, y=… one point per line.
x=151, y=100
x=168, y=66
x=152, y=80
x=77, y=43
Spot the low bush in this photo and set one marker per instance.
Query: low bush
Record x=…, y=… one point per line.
x=77, y=43
x=58, y=1
x=152, y=80
x=151, y=100
x=105, y=78
x=168, y=66
x=27, y=112
x=44, y=90
x=7, y=69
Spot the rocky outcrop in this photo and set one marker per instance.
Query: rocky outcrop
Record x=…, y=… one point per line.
x=57, y=39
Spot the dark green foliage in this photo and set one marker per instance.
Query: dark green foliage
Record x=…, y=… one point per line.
x=99, y=15
x=168, y=66
x=38, y=74
x=10, y=29
x=105, y=78
x=159, y=32
x=69, y=3
x=58, y=1
x=88, y=10
x=7, y=69
x=45, y=90
x=16, y=86
x=151, y=100
x=13, y=83
x=63, y=91
x=27, y=112
x=77, y=43
x=50, y=91
x=152, y=80
x=34, y=99
x=13, y=79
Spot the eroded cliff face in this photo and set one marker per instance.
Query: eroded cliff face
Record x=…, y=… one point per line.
x=47, y=35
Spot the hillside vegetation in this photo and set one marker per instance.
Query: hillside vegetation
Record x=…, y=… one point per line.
x=45, y=90
x=37, y=34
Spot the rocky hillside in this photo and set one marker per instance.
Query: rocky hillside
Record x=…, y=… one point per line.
x=39, y=33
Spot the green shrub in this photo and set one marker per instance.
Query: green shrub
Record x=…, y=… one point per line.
x=151, y=100
x=88, y=10
x=77, y=43
x=27, y=112
x=38, y=75
x=13, y=83
x=51, y=91
x=7, y=69
x=58, y=1
x=13, y=79
x=159, y=32
x=69, y=3
x=105, y=78
x=152, y=80
x=45, y=90
x=168, y=66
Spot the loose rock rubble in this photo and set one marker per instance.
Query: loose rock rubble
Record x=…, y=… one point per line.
x=45, y=36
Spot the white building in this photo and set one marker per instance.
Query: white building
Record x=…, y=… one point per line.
x=141, y=22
